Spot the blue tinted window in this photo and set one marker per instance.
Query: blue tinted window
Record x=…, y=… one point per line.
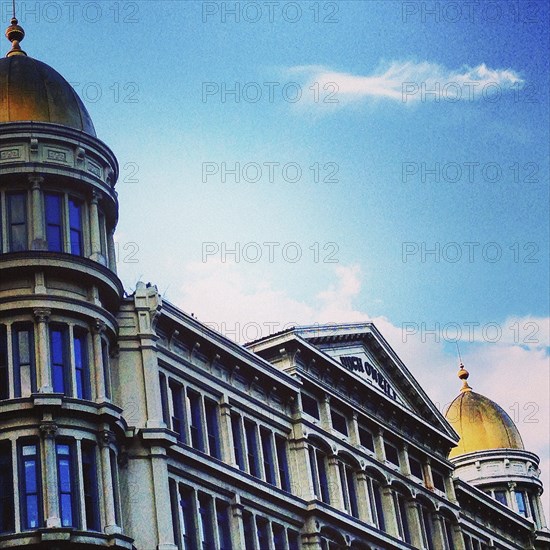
x=195, y=425
x=66, y=485
x=224, y=529
x=30, y=487
x=59, y=359
x=54, y=224
x=82, y=371
x=75, y=227
x=211, y=412
x=236, y=429
x=282, y=459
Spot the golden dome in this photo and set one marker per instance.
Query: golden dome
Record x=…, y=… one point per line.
x=481, y=424
x=32, y=91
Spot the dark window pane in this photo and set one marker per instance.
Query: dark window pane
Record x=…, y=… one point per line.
x=17, y=212
x=293, y=540
x=91, y=497
x=75, y=225
x=278, y=536
x=439, y=480
x=4, y=374
x=366, y=439
x=7, y=511
x=392, y=454
x=224, y=528
x=59, y=359
x=211, y=412
x=237, y=431
x=501, y=497
x=83, y=385
x=206, y=533
x=310, y=406
x=54, y=225
x=339, y=422
x=195, y=424
x=267, y=451
x=248, y=526
x=178, y=417
x=282, y=459
x=416, y=468
x=252, y=448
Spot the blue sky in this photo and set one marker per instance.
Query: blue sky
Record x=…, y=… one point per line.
x=151, y=75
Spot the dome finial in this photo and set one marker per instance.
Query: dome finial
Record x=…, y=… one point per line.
x=463, y=374
x=15, y=33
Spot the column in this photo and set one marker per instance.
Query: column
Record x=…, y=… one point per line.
x=38, y=240
x=334, y=482
x=379, y=445
x=111, y=251
x=450, y=488
x=227, y=452
x=237, y=529
x=513, y=501
x=390, y=513
x=324, y=412
x=99, y=372
x=363, y=498
x=162, y=496
x=428, y=479
x=301, y=468
x=48, y=429
x=438, y=530
x=404, y=459
x=458, y=537
x=415, y=528
x=354, y=429
x=109, y=520
x=95, y=239
x=44, y=379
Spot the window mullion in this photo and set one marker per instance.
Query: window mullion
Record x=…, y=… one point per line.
x=66, y=224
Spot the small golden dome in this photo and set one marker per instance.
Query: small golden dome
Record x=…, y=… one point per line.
x=481, y=424
x=32, y=91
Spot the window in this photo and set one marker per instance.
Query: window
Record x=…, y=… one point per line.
x=448, y=528
x=310, y=406
x=426, y=525
x=102, y=234
x=178, y=418
x=349, y=492
x=114, y=483
x=106, y=368
x=30, y=486
x=392, y=454
x=533, y=507
x=212, y=428
x=89, y=479
x=59, y=356
x=82, y=368
x=366, y=439
x=186, y=519
x=75, y=227
x=4, y=374
x=317, y=461
x=164, y=400
x=206, y=528
x=252, y=448
x=66, y=485
x=23, y=355
x=195, y=420
x=339, y=422
x=416, y=468
x=439, y=480
x=402, y=519
x=54, y=221
x=267, y=452
x=7, y=512
x=262, y=529
x=278, y=536
x=282, y=461
x=520, y=500
x=237, y=432
x=224, y=527
x=293, y=540
x=248, y=528
x=17, y=222
x=501, y=497
x=375, y=496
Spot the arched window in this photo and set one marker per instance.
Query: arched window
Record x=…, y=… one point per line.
x=319, y=467
x=426, y=525
x=400, y=504
x=349, y=488
x=332, y=540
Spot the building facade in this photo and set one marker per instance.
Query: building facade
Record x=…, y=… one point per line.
x=126, y=423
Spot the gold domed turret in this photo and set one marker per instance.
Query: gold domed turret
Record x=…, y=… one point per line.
x=481, y=424
x=15, y=34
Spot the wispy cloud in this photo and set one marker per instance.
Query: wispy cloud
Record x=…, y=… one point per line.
x=407, y=82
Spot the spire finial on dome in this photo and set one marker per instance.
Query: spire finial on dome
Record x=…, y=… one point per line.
x=15, y=33
x=463, y=374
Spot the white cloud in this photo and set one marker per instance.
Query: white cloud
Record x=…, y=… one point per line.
x=513, y=374
x=406, y=82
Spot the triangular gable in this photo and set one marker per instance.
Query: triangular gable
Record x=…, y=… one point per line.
x=361, y=350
